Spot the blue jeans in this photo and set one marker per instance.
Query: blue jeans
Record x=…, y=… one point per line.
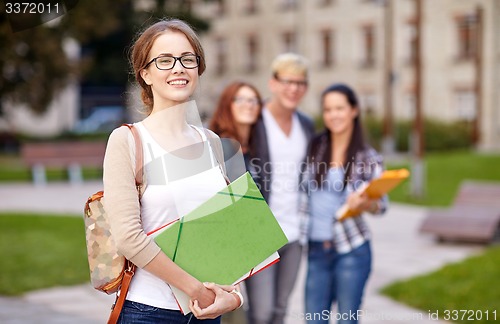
x=137, y=313
x=334, y=277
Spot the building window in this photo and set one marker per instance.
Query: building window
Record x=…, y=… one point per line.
x=411, y=34
x=221, y=56
x=465, y=104
x=187, y=6
x=250, y=7
x=368, y=102
x=467, y=36
x=325, y=3
x=252, y=52
x=289, y=41
x=368, y=46
x=410, y=104
x=288, y=4
x=221, y=7
x=327, y=43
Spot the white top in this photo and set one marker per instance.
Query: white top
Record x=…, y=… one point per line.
x=286, y=154
x=175, y=186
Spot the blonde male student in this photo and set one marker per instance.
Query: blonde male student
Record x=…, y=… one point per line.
x=280, y=140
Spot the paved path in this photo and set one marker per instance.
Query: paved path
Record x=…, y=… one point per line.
x=399, y=252
x=56, y=197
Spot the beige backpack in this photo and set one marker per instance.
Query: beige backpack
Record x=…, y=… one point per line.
x=109, y=270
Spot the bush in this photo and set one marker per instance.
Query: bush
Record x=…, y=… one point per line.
x=438, y=135
x=65, y=136
x=444, y=136
x=318, y=124
x=373, y=131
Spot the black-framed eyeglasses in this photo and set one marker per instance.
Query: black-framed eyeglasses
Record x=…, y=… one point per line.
x=288, y=83
x=167, y=62
x=251, y=101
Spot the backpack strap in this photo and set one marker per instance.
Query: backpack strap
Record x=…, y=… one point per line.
x=129, y=271
x=116, y=309
x=139, y=157
x=218, y=154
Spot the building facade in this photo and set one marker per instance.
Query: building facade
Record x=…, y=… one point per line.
x=361, y=42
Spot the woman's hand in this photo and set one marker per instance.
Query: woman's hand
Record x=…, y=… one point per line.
x=224, y=302
x=361, y=202
x=204, y=296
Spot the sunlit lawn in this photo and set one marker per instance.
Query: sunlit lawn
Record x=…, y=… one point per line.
x=472, y=284
x=469, y=285
x=41, y=251
x=445, y=172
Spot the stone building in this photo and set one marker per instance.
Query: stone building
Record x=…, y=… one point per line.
x=359, y=42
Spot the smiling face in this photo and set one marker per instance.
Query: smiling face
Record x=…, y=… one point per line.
x=245, y=107
x=288, y=89
x=338, y=114
x=174, y=86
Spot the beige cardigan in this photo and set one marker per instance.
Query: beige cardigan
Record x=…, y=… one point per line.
x=121, y=197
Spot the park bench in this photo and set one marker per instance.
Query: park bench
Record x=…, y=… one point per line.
x=474, y=215
x=69, y=155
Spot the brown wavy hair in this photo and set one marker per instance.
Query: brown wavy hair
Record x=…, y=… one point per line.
x=222, y=120
x=139, y=52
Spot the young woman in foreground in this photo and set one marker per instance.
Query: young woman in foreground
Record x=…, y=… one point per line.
x=167, y=60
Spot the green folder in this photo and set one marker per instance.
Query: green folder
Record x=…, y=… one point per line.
x=226, y=236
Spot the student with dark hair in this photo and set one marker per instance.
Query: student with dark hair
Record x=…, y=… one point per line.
x=338, y=162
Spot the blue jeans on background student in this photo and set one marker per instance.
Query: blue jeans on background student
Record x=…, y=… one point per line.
x=334, y=277
x=137, y=313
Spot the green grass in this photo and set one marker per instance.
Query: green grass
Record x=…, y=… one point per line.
x=468, y=285
x=472, y=284
x=41, y=251
x=445, y=172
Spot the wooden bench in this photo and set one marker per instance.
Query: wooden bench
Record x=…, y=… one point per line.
x=69, y=155
x=474, y=216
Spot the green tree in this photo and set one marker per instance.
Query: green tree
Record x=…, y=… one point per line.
x=34, y=67
x=32, y=64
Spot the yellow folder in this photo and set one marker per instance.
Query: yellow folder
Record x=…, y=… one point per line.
x=375, y=189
